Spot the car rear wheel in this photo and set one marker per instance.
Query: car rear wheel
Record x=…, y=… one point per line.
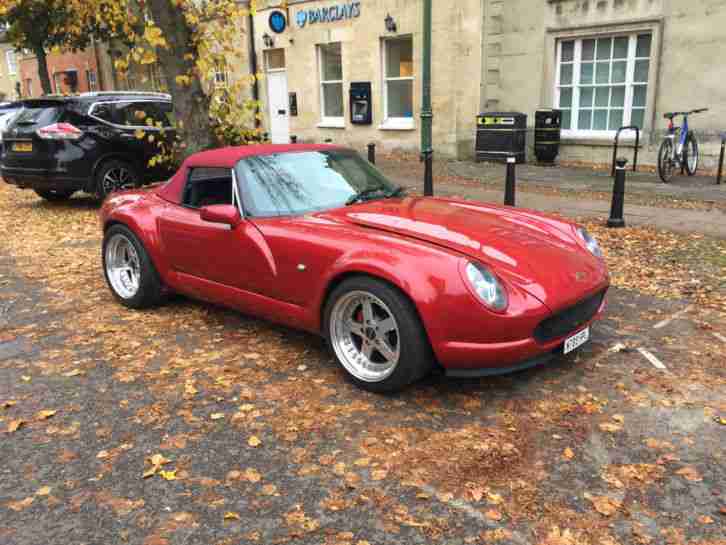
x=128, y=269
x=114, y=176
x=375, y=334
x=54, y=195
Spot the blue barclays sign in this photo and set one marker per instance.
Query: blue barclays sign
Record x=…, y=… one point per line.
x=332, y=14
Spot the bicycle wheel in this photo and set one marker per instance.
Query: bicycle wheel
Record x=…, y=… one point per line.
x=666, y=165
x=691, y=154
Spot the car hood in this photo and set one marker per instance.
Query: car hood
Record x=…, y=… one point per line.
x=537, y=253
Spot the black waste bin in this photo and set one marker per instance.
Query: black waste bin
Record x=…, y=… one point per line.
x=500, y=135
x=547, y=125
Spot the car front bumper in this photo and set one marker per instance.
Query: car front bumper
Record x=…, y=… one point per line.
x=480, y=360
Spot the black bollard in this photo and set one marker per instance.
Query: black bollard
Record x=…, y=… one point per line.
x=509, y=189
x=372, y=153
x=720, y=159
x=293, y=139
x=616, y=210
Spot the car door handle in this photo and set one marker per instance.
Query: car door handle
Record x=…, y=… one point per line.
x=281, y=112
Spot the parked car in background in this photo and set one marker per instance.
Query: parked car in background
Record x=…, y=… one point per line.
x=316, y=238
x=59, y=145
x=8, y=110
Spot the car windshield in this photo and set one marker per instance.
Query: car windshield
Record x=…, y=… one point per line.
x=297, y=183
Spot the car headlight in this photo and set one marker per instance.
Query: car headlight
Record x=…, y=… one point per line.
x=590, y=242
x=487, y=287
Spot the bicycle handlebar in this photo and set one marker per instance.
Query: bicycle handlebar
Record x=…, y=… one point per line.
x=671, y=115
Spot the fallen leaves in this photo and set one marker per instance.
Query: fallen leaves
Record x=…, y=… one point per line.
x=43, y=491
x=252, y=475
x=157, y=461
x=690, y=474
x=168, y=475
x=604, y=505
x=254, y=441
x=15, y=425
x=610, y=428
x=45, y=414
x=229, y=515
x=568, y=454
x=21, y=504
x=217, y=416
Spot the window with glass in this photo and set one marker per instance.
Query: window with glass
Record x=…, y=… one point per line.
x=275, y=59
x=331, y=82
x=602, y=83
x=221, y=75
x=91, y=80
x=288, y=184
x=12, y=62
x=398, y=79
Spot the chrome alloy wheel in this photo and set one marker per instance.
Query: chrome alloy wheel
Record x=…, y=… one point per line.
x=117, y=178
x=365, y=336
x=123, y=267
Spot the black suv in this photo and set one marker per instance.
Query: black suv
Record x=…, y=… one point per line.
x=59, y=145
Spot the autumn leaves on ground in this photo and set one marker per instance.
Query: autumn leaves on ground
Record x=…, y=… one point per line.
x=194, y=424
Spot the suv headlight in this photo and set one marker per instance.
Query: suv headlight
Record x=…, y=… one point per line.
x=590, y=242
x=487, y=287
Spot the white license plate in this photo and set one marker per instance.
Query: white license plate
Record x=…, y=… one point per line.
x=577, y=340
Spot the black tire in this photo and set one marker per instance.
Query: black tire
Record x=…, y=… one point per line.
x=691, y=151
x=666, y=167
x=54, y=195
x=149, y=293
x=111, y=170
x=416, y=356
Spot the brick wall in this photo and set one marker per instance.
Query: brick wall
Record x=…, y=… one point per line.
x=84, y=63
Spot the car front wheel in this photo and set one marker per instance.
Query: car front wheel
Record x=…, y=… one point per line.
x=128, y=269
x=376, y=336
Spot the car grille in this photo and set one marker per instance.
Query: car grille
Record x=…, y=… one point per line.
x=569, y=319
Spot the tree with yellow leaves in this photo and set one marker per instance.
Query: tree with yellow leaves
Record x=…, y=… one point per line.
x=188, y=39
x=43, y=25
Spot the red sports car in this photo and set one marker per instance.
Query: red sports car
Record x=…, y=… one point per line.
x=314, y=237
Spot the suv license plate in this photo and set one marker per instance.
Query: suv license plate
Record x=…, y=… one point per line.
x=24, y=147
x=577, y=340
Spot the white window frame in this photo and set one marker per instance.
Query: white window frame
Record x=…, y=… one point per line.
x=221, y=75
x=337, y=122
x=91, y=80
x=396, y=123
x=629, y=84
x=11, y=59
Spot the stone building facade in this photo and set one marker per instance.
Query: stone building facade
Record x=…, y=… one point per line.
x=314, y=53
x=606, y=63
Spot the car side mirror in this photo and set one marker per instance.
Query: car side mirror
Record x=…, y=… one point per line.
x=226, y=214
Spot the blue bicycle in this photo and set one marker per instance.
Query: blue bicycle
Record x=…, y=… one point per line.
x=679, y=148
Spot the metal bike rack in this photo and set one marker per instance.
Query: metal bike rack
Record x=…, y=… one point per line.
x=720, y=159
x=617, y=142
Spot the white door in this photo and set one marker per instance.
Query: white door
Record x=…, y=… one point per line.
x=279, y=114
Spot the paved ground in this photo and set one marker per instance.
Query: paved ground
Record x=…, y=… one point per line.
x=573, y=192
x=248, y=433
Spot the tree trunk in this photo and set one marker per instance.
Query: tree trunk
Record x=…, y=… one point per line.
x=43, y=70
x=191, y=104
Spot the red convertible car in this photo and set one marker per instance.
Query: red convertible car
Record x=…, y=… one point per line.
x=316, y=238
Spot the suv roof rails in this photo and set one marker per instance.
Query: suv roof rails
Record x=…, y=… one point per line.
x=117, y=93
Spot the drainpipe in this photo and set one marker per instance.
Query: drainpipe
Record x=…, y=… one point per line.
x=427, y=114
x=253, y=68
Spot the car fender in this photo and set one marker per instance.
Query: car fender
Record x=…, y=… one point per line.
x=421, y=280
x=133, y=210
